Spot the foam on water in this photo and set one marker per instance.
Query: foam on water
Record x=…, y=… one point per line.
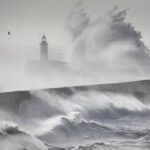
x=72, y=116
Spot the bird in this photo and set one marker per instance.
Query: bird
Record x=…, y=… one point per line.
x=8, y=32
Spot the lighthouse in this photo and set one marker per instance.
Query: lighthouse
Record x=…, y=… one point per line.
x=44, y=49
x=45, y=66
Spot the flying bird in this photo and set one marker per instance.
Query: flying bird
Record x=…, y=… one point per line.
x=8, y=32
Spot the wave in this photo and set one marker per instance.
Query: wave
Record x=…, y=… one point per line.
x=95, y=105
x=13, y=138
x=71, y=116
x=72, y=132
x=112, y=146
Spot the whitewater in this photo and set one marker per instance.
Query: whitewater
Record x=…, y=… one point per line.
x=107, y=117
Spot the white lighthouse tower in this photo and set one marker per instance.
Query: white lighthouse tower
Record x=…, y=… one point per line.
x=44, y=49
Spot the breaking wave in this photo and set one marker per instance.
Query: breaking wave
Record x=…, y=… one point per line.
x=74, y=116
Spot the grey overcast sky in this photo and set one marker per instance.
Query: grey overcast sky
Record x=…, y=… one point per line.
x=27, y=20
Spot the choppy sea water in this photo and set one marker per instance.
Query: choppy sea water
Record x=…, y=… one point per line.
x=75, y=119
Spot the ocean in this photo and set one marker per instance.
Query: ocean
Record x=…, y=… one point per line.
x=97, y=117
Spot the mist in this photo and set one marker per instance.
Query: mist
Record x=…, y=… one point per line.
x=108, y=44
x=102, y=49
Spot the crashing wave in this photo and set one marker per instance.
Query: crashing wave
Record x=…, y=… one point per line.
x=75, y=115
